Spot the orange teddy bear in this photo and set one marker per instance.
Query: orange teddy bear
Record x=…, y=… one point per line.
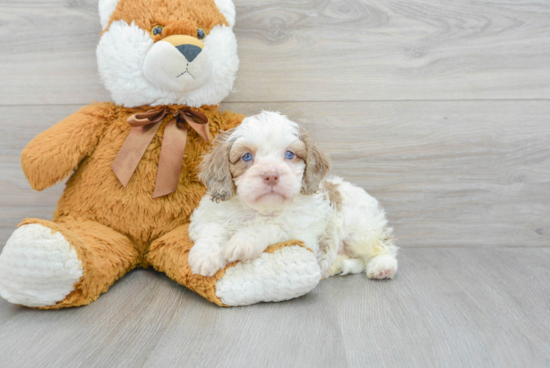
x=168, y=64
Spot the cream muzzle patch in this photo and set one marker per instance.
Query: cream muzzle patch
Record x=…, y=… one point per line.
x=178, y=63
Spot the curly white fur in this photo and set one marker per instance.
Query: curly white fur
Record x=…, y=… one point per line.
x=344, y=226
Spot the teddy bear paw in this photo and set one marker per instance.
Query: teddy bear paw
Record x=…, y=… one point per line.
x=38, y=268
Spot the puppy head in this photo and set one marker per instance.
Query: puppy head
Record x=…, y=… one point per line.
x=268, y=160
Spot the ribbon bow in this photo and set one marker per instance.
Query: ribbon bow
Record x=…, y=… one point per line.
x=146, y=125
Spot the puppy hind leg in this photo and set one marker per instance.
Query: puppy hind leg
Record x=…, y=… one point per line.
x=344, y=265
x=352, y=265
x=377, y=251
x=382, y=267
x=384, y=264
x=336, y=267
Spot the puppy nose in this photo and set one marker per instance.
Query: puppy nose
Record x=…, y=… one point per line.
x=271, y=177
x=189, y=51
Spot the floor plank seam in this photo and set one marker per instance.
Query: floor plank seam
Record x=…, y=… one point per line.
x=314, y=101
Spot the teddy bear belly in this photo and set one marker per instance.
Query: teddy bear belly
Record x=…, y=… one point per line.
x=94, y=193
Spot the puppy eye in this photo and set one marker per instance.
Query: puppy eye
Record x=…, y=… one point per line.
x=247, y=157
x=157, y=30
x=201, y=33
x=289, y=155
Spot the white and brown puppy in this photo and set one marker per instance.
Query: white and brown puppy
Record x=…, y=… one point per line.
x=266, y=184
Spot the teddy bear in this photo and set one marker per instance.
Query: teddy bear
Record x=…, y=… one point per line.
x=132, y=168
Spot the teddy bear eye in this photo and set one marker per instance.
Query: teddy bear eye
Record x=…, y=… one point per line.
x=201, y=33
x=157, y=30
x=289, y=155
x=247, y=157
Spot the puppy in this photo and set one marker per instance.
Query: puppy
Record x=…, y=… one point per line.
x=267, y=184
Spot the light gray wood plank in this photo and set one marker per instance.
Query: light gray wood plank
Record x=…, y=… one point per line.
x=478, y=307
x=7, y=312
x=141, y=299
x=308, y=50
x=49, y=52
x=471, y=173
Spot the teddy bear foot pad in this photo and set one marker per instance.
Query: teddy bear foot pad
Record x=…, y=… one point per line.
x=286, y=273
x=38, y=267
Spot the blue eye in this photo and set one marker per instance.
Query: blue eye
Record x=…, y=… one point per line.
x=247, y=157
x=289, y=155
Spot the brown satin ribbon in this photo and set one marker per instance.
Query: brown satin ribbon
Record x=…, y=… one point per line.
x=146, y=125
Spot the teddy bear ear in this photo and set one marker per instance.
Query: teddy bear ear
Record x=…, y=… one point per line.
x=106, y=9
x=227, y=8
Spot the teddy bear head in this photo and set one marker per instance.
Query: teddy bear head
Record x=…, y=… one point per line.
x=163, y=52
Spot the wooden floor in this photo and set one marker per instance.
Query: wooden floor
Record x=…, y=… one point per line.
x=457, y=307
x=440, y=109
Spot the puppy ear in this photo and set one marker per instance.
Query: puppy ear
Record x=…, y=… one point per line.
x=318, y=165
x=214, y=170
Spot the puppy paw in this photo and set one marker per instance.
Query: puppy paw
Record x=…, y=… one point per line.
x=324, y=265
x=206, y=262
x=242, y=247
x=382, y=267
x=333, y=270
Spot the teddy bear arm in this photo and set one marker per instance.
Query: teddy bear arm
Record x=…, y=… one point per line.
x=55, y=153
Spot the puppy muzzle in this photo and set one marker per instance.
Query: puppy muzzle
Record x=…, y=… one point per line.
x=178, y=63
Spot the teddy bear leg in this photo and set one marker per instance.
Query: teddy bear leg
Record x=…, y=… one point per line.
x=284, y=271
x=52, y=265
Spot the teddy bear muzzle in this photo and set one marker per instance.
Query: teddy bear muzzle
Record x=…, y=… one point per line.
x=178, y=63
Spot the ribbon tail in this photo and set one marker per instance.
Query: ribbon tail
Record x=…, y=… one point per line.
x=132, y=151
x=171, y=158
x=201, y=128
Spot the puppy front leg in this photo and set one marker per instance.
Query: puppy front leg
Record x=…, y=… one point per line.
x=206, y=257
x=326, y=256
x=328, y=248
x=250, y=242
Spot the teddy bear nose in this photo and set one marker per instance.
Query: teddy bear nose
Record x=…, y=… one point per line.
x=189, y=51
x=271, y=178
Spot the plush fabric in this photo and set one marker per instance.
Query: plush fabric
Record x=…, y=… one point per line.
x=47, y=265
x=101, y=229
x=125, y=44
x=115, y=229
x=112, y=227
x=180, y=17
x=169, y=254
